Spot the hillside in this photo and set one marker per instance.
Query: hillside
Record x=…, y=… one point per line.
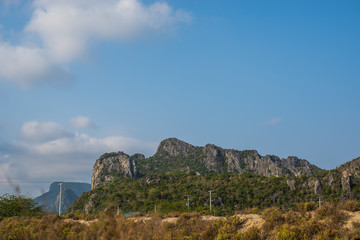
x=238, y=179
x=168, y=193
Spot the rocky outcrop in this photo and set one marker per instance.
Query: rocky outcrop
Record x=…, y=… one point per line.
x=174, y=147
x=351, y=168
x=217, y=159
x=346, y=182
x=111, y=165
x=291, y=183
x=174, y=155
x=315, y=184
x=213, y=157
x=348, y=173
x=299, y=167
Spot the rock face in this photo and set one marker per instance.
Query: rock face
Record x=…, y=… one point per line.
x=314, y=184
x=175, y=147
x=349, y=172
x=70, y=192
x=111, y=165
x=216, y=159
x=174, y=155
x=298, y=167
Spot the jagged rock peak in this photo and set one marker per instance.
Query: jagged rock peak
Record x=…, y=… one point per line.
x=299, y=167
x=174, y=156
x=174, y=147
x=111, y=165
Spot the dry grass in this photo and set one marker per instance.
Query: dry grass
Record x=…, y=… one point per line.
x=328, y=222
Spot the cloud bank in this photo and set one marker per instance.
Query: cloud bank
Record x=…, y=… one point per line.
x=46, y=151
x=61, y=31
x=38, y=132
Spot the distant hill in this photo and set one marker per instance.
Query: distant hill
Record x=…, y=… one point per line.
x=70, y=192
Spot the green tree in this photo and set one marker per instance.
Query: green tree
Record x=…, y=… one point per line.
x=12, y=205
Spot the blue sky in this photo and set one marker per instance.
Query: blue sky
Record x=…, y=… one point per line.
x=79, y=78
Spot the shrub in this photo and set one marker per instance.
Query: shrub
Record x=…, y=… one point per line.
x=332, y=213
x=350, y=205
x=305, y=207
x=11, y=205
x=273, y=218
x=286, y=233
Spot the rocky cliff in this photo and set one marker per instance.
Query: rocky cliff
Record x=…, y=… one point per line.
x=174, y=155
x=111, y=165
x=179, y=168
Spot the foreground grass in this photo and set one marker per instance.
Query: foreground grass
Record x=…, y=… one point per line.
x=331, y=221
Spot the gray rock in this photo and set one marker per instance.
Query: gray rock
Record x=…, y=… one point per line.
x=291, y=183
x=112, y=165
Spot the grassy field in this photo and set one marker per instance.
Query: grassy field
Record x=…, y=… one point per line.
x=305, y=221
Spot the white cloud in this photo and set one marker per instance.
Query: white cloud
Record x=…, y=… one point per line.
x=26, y=66
x=48, y=152
x=81, y=122
x=64, y=29
x=273, y=121
x=34, y=131
x=83, y=143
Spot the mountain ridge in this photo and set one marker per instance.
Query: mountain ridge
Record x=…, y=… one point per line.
x=241, y=179
x=174, y=155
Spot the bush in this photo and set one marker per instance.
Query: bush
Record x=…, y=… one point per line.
x=350, y=205
x=11, y=205
x=305, y=207
x=273, y=218
x=331, y=212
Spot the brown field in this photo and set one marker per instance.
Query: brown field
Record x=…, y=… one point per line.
x=331, y=221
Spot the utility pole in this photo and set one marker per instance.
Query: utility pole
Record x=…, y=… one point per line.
x=188, y=201
x=210, y=199
x=60, y=184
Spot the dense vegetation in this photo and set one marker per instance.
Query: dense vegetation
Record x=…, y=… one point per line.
x=302, y=222
x=18, y=205
x=168, y=193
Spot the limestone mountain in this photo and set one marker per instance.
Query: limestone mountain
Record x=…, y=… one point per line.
x=70, y=192
x=239, y=179
x=176, y=156
x=111, y=165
